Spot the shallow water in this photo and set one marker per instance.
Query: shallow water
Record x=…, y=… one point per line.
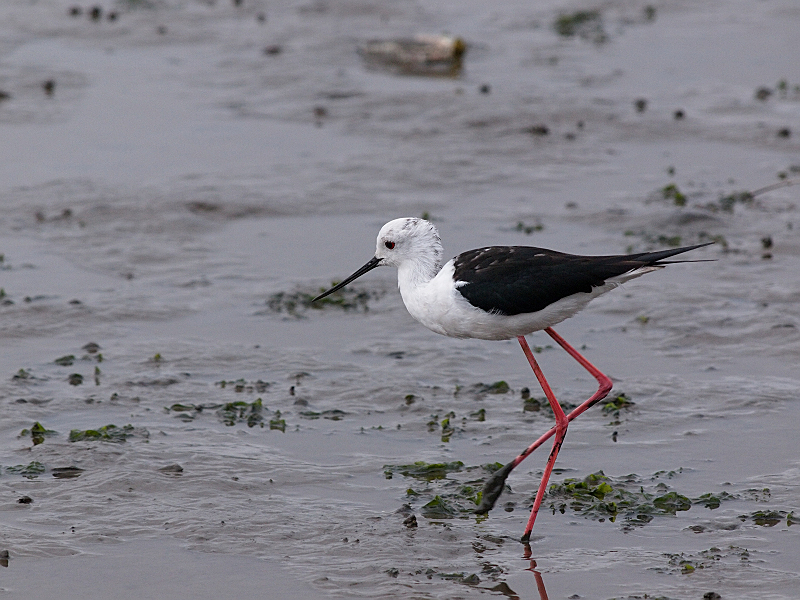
x=178, y=178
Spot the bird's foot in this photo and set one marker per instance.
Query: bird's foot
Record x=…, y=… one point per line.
x=493, y=488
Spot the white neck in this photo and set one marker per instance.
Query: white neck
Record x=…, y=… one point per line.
x=420, y=270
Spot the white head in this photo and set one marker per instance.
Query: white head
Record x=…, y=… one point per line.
x=410, y=244
x=409, y=239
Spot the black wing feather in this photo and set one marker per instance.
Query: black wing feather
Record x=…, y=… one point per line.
x=512, y=280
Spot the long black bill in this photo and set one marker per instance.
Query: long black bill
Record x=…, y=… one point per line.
x=366, y=268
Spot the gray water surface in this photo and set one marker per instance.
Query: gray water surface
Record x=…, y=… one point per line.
x=179, y=179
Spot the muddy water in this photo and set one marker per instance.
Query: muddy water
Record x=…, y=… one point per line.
x=178, y=179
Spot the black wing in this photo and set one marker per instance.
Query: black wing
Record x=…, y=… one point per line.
x=512, y=280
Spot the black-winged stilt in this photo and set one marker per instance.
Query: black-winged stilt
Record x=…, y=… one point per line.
x=502, y=292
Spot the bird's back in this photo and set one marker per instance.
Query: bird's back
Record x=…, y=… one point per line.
x=513, y=280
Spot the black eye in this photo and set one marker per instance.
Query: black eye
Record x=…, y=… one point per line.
x=389, y=245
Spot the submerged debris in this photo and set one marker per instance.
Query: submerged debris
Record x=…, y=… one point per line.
x=422, y=470
x=671, y=192
x=242, y=385
x=241, y=411
x=586, y=24
x=22, y=375
x=67, y=472
x=276, y=422
x=705, y=559
x=630, y=498
x=174, y=470
x=231, y=413
x=333, y=414
x=108, y=433
x=531, y=404
x=430, y=55
x=770, y=518
x=295, y=304
x=37, y=433
x=620, y=403
x=450, y=490
x=529, y=229
x=498, y=387
x=30, y=471
x=65, y=361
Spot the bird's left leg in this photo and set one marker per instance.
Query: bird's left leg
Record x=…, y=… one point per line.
x=604, y=381
x=561, y=432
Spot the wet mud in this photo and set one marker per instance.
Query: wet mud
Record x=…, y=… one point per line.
x=179, y=179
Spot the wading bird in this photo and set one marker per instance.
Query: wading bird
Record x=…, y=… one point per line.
x=502, y=292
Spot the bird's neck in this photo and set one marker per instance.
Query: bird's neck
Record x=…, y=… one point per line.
x=412, y=274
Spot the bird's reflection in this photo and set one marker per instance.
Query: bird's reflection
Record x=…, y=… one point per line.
x=526, y=554
x=505, y=589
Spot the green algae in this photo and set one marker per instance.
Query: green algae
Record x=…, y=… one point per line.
x=529, y=229
x=620, y=403
x=628, y=498
x=333, y=414
x=243, y=386
x=108, y=433
x=443, y=490
x=422, y=470
x=671, y=192
x=770, y=518
x=240, y=411
x=277, y=423
x=440, y=508
x=232, y=413
x=712, y=501
x=30, y=471
x=296, y=304
x=37, y=432
x=22, y=375
x=689, y=563
x=586, y=24
x=532, y=404
x=498, y=387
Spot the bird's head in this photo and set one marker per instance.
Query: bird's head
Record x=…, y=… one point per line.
x=409, y=239
x=410, y=244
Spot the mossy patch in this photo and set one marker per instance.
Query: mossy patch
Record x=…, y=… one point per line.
x=532, y=404
x=498, y=387
x=30, y=471
x=586, y=24
x=527, y=228
x=243, y=386
x=37, y=432
x=423, y=471
x=232, y=413
x=443, y=490
x=671, y=192
x=296, y=304
x=108, y=433
x=618, y=404
x=333, y=414
x=631, y=499
x=688, y=563
x=770, y=518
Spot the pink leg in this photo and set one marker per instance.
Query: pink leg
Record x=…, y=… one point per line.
x=494, y=486
x=561, y=432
